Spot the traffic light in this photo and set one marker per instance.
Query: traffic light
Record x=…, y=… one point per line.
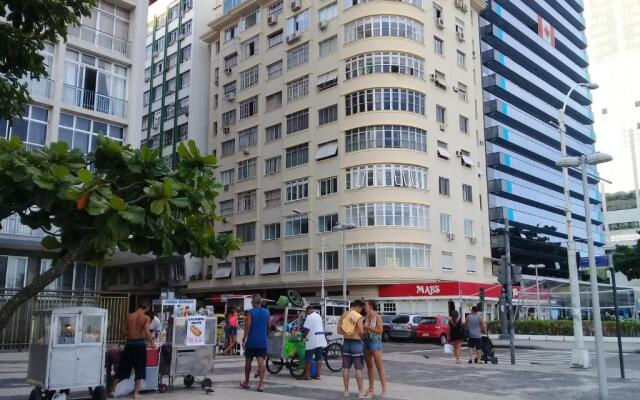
x=502, y=270
x=516, y=273
x=481, y=304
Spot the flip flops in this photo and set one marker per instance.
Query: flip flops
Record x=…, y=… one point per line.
x=244, y=385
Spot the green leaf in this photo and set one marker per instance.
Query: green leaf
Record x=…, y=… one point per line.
x=157, y=206
x=50, y=243
x=117, y=203
x=43, y=181
x=97, y=205
x=167, y=188
x=167, y=247
x=180, y=202
x=59, y=171
x=85, y=176
x=134, y=214
x=119, y=229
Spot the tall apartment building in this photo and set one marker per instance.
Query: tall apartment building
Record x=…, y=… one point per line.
x=533, y=52
x=94, y=83
x=353, y=112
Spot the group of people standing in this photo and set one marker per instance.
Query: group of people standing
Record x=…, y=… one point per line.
x=472, y=328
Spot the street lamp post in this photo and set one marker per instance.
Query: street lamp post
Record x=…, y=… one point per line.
x=579, y=355
x=343, y=228
x=322, y=246
x=536, y=266
x=582, y=162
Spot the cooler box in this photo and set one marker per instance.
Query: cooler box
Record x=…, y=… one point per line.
x=152, y=357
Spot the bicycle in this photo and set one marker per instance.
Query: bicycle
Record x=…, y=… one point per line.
x=332, y=355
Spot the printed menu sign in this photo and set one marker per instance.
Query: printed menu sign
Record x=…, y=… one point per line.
x=195, y=331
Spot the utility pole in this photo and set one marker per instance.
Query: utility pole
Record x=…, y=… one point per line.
x=509, y=291
x=615, y=309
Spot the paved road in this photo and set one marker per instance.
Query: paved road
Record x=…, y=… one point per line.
x=415, y=370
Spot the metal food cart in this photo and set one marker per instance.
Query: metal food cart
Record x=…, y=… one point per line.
x=285, y=342
x=190, y=353
x=67, y=351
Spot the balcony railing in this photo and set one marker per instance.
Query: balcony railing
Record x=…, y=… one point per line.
x=93, y=101
x=41, y=88
x=13, y=227
x=101, y=39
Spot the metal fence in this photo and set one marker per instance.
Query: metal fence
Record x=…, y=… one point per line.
x=17, y=332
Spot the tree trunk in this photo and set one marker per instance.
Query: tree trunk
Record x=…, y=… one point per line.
x=40, y=282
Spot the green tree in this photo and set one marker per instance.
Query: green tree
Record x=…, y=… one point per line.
x=626, y=259
x=28, y=24
x=128, y=200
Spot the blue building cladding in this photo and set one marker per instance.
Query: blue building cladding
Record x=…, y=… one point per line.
x=533, y=52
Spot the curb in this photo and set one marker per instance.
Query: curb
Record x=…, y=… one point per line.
x=519, y=347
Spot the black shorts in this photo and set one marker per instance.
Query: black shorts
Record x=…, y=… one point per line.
x=133, y=356
x=252, y=353
x=475, y=343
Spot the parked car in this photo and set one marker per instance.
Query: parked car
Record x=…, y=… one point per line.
x=434, y=328
x=404, y=326
x=386, y=327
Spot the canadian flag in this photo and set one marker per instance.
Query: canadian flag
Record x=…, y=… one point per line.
x=546, y=31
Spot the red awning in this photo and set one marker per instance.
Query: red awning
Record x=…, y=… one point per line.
x=440, y=289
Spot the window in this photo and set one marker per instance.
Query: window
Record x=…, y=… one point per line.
x=223, y=270
x=443, y=185
x=297, y=190
x=172, y=60
x=467, y=193
x=620, y=226
x=231, y=60
x=384, y=99
x=229, y=118
x=298, y=23
x=445, y=223
x=246, y=201
x=384, y=62
x=274, y=101
x=327, y=186
x=275, y=8
x=389, y=255
x=327, y=150
x=298, y=88
x=384, y=25
x=274, y=70
x=247, y=169
x=352, y=3
x=296, y=261
x=226, y=208
x=228, y=147
x=389, y=307
x=272, y=231
x=461, y=59
x=469, y=228
x=249, y=47
x=447, y=261
x=328, y=13
x=187, y=28
x=247, y=138
x=173, y=37
x=245, y=266
x=388, y=214
x=330, y=261
x=459, y=26
x=32, y=128
x=250, y=19
x=441, y=114
x=185, y=54
x=386, y=136
x=327, y=115
x=272, y=198
x=275, y=38
x=443, y=151
x=462, y=91
x=298, y=55
x=438, y=45
x=327, y=222
x=249, y=107
x=229, y=90
x=437, y=11
x=79, y=133
x=464, y=124
x=226, y=177
x=465, y=158
x=297, y=155
x=380, y=175
x=157, y=68
x=249, y=77
x=187, y=5
x=296, y=225
x=298, y=121
x=246, y=232
x=328, y=46
x=327, y=80
x=471, y=264
x=13, y=272
x=273, y=132
x=272, y=165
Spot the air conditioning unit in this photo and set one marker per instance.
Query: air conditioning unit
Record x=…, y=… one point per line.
x=226, y=188
x=473, y=240
x=295, y=5
x=293, y=37
x=433, y=77
x=463, y=96
x=450, y=236
x=147, y=79
x=480, y=142
x=443, y=127
x=458, y=153
x=230, y=96
x=323, y=25
x=272, y=20
x=227, y=70
x=440, y=22
x=186, y=113
x=182, y=36
x=455, y=89
x=225, y=129
x=246, y=152
x=460, y=36
x=459, y=4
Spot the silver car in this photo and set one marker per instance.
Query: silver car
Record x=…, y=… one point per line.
x=404, y=326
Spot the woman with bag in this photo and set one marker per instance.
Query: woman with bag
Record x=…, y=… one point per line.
x=456, y=333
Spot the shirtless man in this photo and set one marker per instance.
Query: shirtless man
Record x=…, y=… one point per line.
x=134, y=356
x=351, y=327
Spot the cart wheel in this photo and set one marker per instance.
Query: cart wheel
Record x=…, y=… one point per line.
x=296, y=368
x=333, y=357
x=98, y=393
x=206, y=384
x=494, y=360
x=48, y=394
x=36, y=394
x=188, y=380
x=274, y=367
x=162, y=388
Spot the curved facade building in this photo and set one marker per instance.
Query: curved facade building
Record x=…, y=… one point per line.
x=360, y=112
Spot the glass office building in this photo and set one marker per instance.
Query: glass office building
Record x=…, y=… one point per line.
x=533, y=52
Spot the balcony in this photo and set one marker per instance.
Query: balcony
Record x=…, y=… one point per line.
x=101, y=39
x=40, y=88
x=11, y=226
x=93, y=101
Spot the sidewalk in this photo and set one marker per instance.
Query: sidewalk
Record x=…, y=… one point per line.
x=609, y=347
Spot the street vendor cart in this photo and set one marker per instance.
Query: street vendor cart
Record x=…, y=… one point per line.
x=66, y=352
x=285, y=342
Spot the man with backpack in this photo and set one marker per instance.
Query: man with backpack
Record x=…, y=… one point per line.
x=351, y=327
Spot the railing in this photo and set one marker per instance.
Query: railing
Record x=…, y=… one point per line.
x=13, y=227
x=94, y=101
x=101, y=39
x=40, y=87
x=17, y=332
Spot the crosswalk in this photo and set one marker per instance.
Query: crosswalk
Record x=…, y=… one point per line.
x=527, y=357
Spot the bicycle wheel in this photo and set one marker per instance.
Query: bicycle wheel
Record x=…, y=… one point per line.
x=274, y=366
x=296, y=368
x=333, y=357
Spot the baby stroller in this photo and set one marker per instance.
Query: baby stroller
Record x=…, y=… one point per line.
x=487, y=351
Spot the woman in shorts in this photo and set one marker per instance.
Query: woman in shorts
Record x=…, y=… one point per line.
x=231, y=329
x=373, y=327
